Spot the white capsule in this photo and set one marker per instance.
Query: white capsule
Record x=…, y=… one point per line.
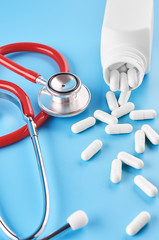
x=129, y=66
x=122, y=69
x=132, y=78
x=138, y=223
x=116, y=171
x=146, y=186
x=91, y=150
x=151, y=134
x=131, y=160
x=118, y=128
x=114, y=80
x=115, y=66
x=140, y=141
x=83, y=125
x=111, y=100
x=124, y=87
x=105, y=117
x=143, y=114
x=123, y=110
x=124, y=97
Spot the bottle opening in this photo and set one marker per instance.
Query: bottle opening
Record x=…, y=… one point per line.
x=128, y=61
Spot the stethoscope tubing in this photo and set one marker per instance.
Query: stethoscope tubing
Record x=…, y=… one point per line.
x=76, y=220
x=30, y=47
x=31, y=76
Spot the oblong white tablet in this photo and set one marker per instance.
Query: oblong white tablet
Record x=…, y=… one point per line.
x=114, y=80
x=91, y=150
x=131, y=160
x=132, y=77
x=123, y=110
x=151, y=134
x=124, y=86
x=143, y=114
x=118, y=128
x=138, y=223
x=111, y=100
x=83, y=125
x=140, y=141
x=105, y=117
x=146, y=186
x=124, y=97
x=116, y=171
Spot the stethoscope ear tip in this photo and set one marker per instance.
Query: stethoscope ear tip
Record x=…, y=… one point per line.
x=77, y=220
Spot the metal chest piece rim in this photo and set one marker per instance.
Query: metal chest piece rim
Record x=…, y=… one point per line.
x=64, y=95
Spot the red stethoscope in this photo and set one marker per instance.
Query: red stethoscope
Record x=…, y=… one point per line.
x=62, y=95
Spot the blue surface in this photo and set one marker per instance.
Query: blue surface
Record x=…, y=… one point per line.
x=73, y=28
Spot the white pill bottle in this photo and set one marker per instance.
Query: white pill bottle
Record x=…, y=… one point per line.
x=127, y=34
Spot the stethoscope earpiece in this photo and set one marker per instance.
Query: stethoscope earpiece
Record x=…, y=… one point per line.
x=64, y=96
x=77, y=220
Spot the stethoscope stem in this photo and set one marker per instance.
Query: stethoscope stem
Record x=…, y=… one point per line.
x=34, y=136
x=11, y=235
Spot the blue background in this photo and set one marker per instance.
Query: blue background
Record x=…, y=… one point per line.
x=73, y=28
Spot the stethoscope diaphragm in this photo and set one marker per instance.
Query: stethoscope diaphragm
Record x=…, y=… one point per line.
x=64, y=95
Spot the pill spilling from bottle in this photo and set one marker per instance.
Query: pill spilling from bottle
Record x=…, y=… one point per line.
x=123, y=77
x=151, y=134
x=143, y=114
x=146, y=186
x=123, y=110
x=111, y=100
x=124, y=97
x=91, y=150
x=140, y=141
x=118, y=129
x=138, y=223
x=83, y=125
x=131, y=160
x=116, y=171
x=105, y=117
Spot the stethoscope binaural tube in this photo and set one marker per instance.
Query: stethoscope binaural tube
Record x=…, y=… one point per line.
x=30, y=47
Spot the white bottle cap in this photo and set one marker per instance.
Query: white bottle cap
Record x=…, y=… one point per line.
x=77, y=220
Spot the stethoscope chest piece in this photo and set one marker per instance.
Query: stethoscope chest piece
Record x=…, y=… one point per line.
x=64, y=95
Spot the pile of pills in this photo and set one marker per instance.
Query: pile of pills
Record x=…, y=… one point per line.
x=125, y=77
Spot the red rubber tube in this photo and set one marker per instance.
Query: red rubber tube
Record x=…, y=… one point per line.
x=21, y=95
x=30, y=47
x=23, y=131
x=30, y=75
